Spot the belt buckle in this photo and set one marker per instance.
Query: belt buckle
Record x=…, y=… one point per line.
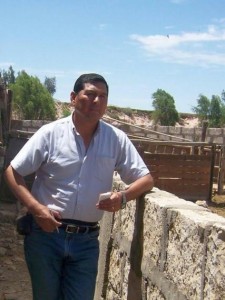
x=74, y=229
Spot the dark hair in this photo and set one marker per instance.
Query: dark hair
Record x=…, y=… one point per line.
x=88, y=78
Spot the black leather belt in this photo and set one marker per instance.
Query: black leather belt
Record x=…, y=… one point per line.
x=75, y=226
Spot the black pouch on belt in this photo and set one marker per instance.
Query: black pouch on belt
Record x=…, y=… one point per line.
x=24, y=224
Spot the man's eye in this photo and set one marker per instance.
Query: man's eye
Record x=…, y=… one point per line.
x=102, y=97
x=90, y=94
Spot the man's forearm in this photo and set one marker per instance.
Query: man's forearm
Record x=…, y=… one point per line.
x=139, y=187
x=18, y=187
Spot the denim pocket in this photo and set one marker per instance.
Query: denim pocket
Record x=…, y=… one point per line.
x=93, y=235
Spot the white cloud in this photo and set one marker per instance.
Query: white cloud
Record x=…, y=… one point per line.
x=220, y=21
x=201, y=48
x=102, y=26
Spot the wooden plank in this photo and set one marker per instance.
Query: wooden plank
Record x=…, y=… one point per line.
x=197, y=193
x=175, y=164
x=183, y=143
x=160, y=161
x=177, y=157
x=176, y=182
x=188, y=192
x=188, y=179
x=179, y=170
x=191, y=167
x=187, y=176
x=184, y=169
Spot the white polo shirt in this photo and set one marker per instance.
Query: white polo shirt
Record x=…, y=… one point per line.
x=72, y=178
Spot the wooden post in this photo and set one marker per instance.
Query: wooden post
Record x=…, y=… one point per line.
x=209, y=200
x=221, y=173
x=204, y=129
x=9, y=96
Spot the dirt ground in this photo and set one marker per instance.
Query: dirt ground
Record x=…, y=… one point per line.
x=14, y=277
x=218, y=205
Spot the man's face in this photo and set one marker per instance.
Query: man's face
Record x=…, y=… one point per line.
x=91, y=102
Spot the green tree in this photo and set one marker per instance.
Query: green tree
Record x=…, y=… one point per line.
x=215, y=116
x=212, y=110
x=223, y=96
x=50, y=84
x=223, y=108
x=7, y=77
x=165, y=111
x=31, y=100
x=203, y=108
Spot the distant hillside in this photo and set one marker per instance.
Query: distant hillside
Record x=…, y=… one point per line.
x=129, y=115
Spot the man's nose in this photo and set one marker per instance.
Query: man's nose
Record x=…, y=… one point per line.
x=96, y=99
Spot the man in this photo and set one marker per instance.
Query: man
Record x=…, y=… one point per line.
x=74, y=159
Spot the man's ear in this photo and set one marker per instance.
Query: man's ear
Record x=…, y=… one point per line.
x=72, y=97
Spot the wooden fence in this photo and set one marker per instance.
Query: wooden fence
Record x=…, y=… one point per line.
x=5, y=112
x=187, y=170
x=184, y=168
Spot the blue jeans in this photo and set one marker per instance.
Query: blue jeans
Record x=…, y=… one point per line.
x=62, y=266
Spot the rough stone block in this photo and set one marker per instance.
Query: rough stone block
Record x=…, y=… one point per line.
x=162, y=129
x=135, y=130
x=185, y=257
x=31, y=129
x=214, y=131
x=165, y=137
x=188, y=137
x=174, y=130
x=152, y=232
x=198, y=131
x=209, y=139
x=118, y=275
x=187, y=131
x=128, y=220
x=37, y=123
x=218, y=140
x=27, y=123
x=214, y=280
x=157, y=203
x=152, y=136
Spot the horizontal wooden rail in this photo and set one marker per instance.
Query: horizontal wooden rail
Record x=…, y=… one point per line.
x=187, y=176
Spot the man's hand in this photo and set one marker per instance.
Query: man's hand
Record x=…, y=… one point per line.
x=46, y=219
x=112, y=203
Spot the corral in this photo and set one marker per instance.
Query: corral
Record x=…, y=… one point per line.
x=161, y=247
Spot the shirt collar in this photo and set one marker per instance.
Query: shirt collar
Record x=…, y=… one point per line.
x=73, y=127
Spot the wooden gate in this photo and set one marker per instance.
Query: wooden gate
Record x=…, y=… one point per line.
x=184, y=169
x=187, y=176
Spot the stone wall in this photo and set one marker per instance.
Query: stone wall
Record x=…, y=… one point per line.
x=27, y=125
x=162, y=247
x=165, y=133
x=171, y=133
x=159, y=247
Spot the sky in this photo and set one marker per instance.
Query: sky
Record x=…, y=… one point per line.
x=139, y=46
